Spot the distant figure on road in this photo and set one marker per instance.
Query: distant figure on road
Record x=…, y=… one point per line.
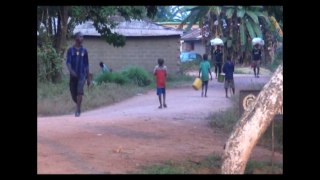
x=160, y=72
x=256, y=59
x=218, y=60
x=204, y=70
x=228, y=69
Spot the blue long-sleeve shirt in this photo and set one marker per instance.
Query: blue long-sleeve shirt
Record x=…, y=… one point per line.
x=228, y=69
x=78, y=59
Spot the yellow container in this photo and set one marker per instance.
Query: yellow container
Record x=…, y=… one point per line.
x=221, y=78
x=197, y=83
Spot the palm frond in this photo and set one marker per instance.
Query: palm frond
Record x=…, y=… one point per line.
x=240, y=13
x=265, y=17
x=195, y=15
x=253, y=16
x=229, y=12
x=257, y=30
x=250, y=29
x=243, y=38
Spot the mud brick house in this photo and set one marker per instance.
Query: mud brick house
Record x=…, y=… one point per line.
x=145, y=43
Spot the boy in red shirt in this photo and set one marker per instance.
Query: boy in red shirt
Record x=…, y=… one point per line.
x=160, y=72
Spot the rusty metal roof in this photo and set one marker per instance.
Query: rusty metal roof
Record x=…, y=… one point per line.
x=130, y=28
x=192, y=35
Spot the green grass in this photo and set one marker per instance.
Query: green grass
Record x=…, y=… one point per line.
x=263, y=167
x=55, y=99
x=249, y=70
x=226, y=120
x=165, y=168
x=212, y=163
x=208, y=165
x=178, y=80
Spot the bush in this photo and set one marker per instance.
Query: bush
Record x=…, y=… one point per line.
x=48, y=62
x=137, y=76
x=277, y=60
x=110, y=77
x=189, y=66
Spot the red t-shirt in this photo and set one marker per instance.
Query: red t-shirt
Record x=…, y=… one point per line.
x=161, y=74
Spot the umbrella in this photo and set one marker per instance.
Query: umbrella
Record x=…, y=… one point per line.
x=257, y=41
x=216, y=41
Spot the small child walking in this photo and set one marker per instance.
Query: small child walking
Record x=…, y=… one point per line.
x=204, y=70
x=160, y=72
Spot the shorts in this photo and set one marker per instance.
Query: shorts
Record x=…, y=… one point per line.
x=161, y=91
x=204, y=83
x=76, y=86
x=229, y=83
x=255, y=63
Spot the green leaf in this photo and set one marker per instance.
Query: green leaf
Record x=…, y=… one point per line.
x=253, y=16
x=265, y=17
x=195, y=15
x=250, y=29
x=229, y=43
x=257, y=30
x=240, y=13
x=229, y=12
x=242, y=35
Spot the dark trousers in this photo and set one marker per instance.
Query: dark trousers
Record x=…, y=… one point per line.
x=217, y=67
x=76, y=87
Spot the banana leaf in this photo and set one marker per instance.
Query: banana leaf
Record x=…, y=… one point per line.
x=250, y=29
x=229, y=13
x=257, y=30
x=253, y=16
x=243, y=38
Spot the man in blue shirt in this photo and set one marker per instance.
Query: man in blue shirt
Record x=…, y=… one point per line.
x=228, y=69
x=78, y=66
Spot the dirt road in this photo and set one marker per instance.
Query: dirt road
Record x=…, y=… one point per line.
x=123, y=137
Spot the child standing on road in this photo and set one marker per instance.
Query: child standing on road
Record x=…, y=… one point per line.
x=228, y=69
x=204, y=70
x=160, y=72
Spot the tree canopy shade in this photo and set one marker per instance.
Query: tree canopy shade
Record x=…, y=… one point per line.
x=56, y=23
x=235, y=25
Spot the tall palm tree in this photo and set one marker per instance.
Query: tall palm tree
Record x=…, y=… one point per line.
x=246, y=23
x=235, y=25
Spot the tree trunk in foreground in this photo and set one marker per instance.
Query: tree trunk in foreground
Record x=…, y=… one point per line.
x=252, y=125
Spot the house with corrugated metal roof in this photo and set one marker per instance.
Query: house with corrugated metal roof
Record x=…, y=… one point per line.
x=145, y=43
x=192, y=41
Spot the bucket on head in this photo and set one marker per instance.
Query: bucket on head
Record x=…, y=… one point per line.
x=197, y=83
x=221, y=78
